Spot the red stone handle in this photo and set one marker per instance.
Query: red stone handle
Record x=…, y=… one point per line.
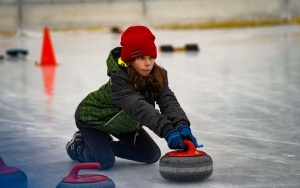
x=74, y=177
x=190, y=146
x=190, y=152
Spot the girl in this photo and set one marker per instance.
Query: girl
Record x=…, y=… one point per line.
x=125, y=104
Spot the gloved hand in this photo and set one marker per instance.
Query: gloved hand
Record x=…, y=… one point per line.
x=186, y=133
x=174, y=140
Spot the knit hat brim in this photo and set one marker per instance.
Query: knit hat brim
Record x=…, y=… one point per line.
x=132, y=54
x=137, y=41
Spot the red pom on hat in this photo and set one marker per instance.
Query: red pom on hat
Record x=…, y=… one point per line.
x=137, y=41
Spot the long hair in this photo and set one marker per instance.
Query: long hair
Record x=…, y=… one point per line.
x=154, y=81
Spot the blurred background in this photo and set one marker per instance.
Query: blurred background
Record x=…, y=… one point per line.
x=19, y=15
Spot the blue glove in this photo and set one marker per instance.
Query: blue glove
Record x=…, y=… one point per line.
x=186, y=133
x=174, y=140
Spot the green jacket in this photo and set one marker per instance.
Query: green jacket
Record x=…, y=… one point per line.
x=116, y=108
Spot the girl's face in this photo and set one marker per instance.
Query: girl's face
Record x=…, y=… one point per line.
x=143, y=65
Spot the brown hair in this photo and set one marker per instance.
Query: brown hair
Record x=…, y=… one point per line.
x=155, y=80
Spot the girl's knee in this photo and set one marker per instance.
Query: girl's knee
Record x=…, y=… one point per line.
x=154, y=157
x=106, y=164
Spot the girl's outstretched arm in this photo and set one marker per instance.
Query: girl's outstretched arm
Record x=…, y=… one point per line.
x=136, y=105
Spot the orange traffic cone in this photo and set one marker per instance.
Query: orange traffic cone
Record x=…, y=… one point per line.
x=47, y=55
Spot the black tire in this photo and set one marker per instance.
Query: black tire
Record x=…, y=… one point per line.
x=192, y=47
x=15, y=52
x=166, y=48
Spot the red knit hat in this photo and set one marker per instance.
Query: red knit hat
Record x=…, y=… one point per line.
x=137, y=41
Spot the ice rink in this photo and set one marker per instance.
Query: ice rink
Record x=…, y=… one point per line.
x=241, y=93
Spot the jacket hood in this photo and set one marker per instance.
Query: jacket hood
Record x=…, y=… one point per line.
x=112, y=61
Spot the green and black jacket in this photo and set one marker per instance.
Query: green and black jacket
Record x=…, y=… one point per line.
x=116, y=108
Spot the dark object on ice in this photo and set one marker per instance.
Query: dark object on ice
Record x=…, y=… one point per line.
x=186, y=166
x=187, y=47
x=11, y=177
x=2, y=57
x=17, y=52
x=116, y=30
x=73, y=180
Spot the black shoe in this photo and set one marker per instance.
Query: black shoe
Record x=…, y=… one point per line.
x=72, y=146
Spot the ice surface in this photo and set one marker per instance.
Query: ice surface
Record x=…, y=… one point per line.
x=241, y=93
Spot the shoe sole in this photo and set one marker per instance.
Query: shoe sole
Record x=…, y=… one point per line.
x=69, y=144
x=73, y=139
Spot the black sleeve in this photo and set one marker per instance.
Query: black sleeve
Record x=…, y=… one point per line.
x=170, y=107
x=135, y=104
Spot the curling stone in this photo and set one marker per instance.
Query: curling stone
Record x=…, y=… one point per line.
x=186, y=166
x=187, y=47
x=74, y=180
x=11, y=177
x=17, y=52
